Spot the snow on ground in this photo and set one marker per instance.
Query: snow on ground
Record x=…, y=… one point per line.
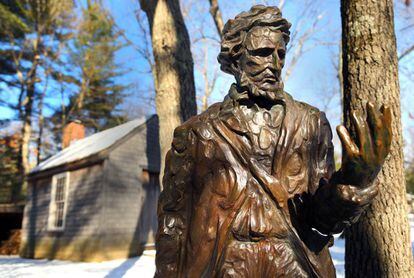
x=142, y=267
x=15, y=267
x=338, y=256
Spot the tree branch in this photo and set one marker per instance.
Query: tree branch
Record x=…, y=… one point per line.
x=406, y=52
x=281, y=4
x=216, y=14
x=299, y=47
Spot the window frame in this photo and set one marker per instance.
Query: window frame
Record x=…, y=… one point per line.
x=51, y=223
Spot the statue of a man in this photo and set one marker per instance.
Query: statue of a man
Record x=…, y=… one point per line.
x=249, y=186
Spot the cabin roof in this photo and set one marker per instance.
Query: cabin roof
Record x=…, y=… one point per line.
x=90, y=145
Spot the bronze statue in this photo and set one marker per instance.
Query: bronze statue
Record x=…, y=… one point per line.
x=249, y=185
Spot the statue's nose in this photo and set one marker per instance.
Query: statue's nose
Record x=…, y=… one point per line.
x=276, y=60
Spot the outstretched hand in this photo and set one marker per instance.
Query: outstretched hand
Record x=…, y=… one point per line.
x=362, y=158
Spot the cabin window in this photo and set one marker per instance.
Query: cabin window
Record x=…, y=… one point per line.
x=58, y=202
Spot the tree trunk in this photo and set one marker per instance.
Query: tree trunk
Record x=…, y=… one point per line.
x=41, y=122
x=174, y=69
x=23, y=162
x=379, y=244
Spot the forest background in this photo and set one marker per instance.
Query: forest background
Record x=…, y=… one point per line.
x=92, y=61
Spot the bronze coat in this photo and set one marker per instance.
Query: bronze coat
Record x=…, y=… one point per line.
x=208, y=182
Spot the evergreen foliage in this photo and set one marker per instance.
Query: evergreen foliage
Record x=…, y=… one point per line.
x=9, y=171
x=51, y=51
x=92, y=56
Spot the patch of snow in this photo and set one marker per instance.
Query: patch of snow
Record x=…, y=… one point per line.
x=338, y=256
x=13, y=266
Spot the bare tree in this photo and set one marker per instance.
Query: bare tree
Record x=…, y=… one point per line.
x=144, y=93
x=302, y=32
x=379, y=244
x=174, y=75
x=216, y=14
x=302, y=35
x=405, y=13
x=209, y=83
x=43, y=19
x=281, y=4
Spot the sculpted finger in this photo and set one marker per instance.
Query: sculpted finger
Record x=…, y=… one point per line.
x=364, y=136
x=386, y=112
x=348, y=144
x=387, y=122
x=376, y=128
x=374, y=118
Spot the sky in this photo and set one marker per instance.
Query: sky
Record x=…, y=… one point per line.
x=302, y=84
x=313, y=79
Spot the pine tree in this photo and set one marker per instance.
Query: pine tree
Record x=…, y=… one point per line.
x=9, y=171
x=29, y=42
x=98, y=95
x=11, y=24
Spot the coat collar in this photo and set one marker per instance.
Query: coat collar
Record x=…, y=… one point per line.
x=230, y=111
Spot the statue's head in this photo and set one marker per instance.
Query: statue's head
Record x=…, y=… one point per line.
x=253, y=49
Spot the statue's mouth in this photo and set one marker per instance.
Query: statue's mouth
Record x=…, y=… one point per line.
x=267, y=80
x=269, y=77
x=270, y=80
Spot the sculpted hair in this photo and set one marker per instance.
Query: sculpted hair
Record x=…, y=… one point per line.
x=235, y=30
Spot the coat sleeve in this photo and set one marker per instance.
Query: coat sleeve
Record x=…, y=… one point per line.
x=334, y=205
x=173, y=205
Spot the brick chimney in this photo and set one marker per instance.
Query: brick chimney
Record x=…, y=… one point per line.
x=72, y=132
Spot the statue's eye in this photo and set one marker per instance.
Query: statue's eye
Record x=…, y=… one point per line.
x=262, y=52
x=281, y=53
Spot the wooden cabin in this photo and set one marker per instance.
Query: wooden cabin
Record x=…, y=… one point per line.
x=96, y=199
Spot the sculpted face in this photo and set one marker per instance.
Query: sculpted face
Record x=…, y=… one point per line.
x=262, y=62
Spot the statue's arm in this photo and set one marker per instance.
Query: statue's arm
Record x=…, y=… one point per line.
x=343, y=196
x=337, y=205
x=173, y=206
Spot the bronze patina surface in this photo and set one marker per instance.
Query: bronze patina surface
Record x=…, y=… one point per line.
x=250, y=188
